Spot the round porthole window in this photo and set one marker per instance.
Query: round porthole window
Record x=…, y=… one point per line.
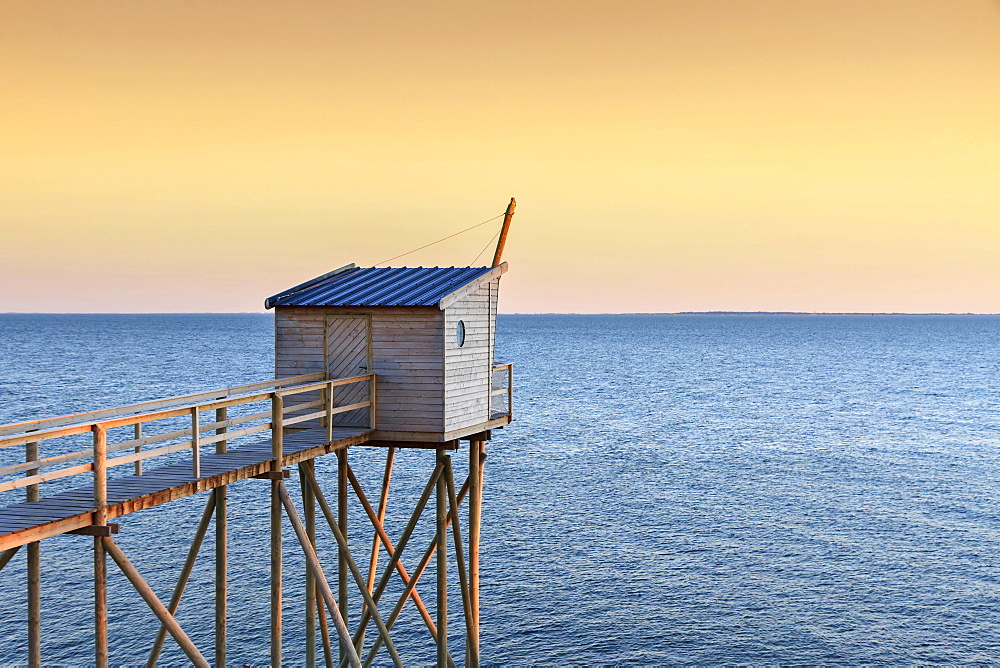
x=460, y=333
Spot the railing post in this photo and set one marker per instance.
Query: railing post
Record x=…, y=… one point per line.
x=195, y=444
x=137, y=432
x=328, y=397
x=277, y=430
x=371, y=401
x=510, y=390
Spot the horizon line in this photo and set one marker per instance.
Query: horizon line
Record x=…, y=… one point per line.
x=681, y=313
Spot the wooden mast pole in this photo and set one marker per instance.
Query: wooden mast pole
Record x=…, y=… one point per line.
x=503, y=232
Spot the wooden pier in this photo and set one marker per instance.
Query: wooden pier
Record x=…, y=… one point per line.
x=253, y=443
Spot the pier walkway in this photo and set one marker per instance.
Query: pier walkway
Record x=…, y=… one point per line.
x=288, y=402
x=73, y=509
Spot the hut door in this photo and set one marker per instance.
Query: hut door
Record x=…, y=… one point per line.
x=348, y=353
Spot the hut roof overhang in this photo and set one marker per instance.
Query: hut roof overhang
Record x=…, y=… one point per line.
x=387, y=286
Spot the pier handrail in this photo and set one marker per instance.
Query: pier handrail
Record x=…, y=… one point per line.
x=153, y=404
x=135, y=415
x=508, y=389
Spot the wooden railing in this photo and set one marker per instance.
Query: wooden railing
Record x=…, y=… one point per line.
x=502, y=383
x=194, y=437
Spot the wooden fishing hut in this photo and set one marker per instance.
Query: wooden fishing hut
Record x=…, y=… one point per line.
x=379, y=357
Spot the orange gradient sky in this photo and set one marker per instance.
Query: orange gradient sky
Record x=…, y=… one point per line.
x=803, y=155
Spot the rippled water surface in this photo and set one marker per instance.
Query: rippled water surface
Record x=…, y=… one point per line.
x=674, y=490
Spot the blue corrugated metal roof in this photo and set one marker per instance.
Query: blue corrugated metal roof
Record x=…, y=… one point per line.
x=381, y=286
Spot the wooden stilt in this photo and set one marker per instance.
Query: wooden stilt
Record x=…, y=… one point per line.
x=376, y=541
x=185, y=575
x=221, y=554
x=34, y=564
x=34, y=605
x=100, y=605
x=277, y=444
x=275, y=574
x=325, y=634
x=463, y=576
x=100, y=562
x=153, y=602
x=346, y=645
x=309, y=510
x=370, y=605
x=342, y=525
x=475, y=514
x=442, y=562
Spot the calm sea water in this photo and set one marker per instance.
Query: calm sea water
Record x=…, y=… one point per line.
x=675, y=490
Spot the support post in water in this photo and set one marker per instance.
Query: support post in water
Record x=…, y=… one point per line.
x=221, y=553
x=100, y=561
x=442, y=561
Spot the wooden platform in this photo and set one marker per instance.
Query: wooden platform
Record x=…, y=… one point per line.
x=70, y=510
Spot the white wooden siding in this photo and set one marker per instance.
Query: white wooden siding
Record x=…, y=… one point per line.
x=407, y=357
x=467, y=368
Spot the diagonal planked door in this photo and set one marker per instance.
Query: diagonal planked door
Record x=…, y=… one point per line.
x=348, y=353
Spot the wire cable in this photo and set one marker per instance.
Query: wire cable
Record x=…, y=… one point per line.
x=441, y=239
x=488, y=244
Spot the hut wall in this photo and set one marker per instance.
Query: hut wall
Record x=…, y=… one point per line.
x=407, y=356
x=467, y=368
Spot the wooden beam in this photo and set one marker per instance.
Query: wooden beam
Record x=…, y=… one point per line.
x=376, y=539
x=324, y=633
x=508, y=214
x=463, y=575
x=97, y=530
x=153, y=602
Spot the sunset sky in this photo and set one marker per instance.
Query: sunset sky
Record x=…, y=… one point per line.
x=807, y=155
